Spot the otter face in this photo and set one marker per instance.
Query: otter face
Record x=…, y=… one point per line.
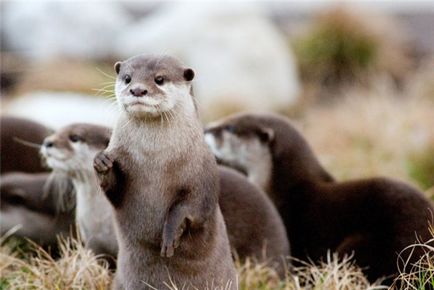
x=73, y=148
x=242, y=147
x=153, y=86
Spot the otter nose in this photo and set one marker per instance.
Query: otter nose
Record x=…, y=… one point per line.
x=48, y=143
x=138, y=92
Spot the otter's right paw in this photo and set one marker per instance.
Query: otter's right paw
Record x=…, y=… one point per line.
x=102, y=162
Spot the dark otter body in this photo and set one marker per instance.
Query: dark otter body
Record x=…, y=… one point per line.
x=374, y=218
x=254, y=226
x=16, y=156
x=28, y=203
x=30, y=197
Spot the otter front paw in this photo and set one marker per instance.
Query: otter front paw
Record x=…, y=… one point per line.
x=171, y=239
x=102, y=163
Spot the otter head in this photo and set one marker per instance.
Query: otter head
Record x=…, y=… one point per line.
x=154, y=87
x=268, y=148
x=71, y=149
x=244, y=146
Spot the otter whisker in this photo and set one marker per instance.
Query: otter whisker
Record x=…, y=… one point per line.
x=105, y=74
x=27, y=143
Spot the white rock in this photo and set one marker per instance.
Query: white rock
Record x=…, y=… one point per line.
x=44, y=29
x=56, y=110
x=239, y=56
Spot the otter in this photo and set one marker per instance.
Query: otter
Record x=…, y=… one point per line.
x=18, y=139
x=254, y=227
x=163, y=183
x=70, y=151
x=373, y=218
x=33, y=204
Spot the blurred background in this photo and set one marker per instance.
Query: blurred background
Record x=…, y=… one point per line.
x=356, y=77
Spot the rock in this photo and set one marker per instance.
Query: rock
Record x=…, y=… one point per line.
x=56, y=110
x=242, y=61
x=45, y=29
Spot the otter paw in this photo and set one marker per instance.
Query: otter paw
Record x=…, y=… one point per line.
x=171, y=240
x=168, y=249
x=102, y=162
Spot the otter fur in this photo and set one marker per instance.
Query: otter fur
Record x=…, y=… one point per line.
x=373, y=218
x=19, y=142
x=163, y=183
x=70, y=151
x=34, y=208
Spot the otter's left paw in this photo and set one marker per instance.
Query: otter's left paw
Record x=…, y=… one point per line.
x=171, y=239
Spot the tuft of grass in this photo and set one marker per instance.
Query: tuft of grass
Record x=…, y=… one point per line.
x=79, y=268
x=418, y=275
x=337, y=48
x=344, y=47
x=334, y=274
x=76, y=268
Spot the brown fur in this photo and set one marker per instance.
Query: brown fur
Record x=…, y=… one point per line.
x=254, y=226
x=374, y=218
x=163, y=184
x=26, y=202
x=15, y=156
x=71, y=151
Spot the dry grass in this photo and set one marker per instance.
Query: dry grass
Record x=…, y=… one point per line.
x=419, y=275
x=78, y=268
x=351, y=46
x=374, y=132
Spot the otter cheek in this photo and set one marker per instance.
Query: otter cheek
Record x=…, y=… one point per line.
x=213, y=144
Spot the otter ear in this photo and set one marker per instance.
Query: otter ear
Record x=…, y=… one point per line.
x=266, y=135
x=118, y=66
x=188, y=74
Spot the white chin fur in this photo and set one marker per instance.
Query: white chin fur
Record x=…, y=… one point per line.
x=55, y=164
x=212, y=144
x=81, y=158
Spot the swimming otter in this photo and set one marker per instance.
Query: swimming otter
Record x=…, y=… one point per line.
x=163, y=183
x=375, y=218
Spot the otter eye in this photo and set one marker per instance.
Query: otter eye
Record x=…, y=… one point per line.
x=231, y=129
x=74, y=138
x=159, y=80
x=127, y=79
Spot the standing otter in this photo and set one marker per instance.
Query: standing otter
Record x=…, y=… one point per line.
x=376, y=218
x=70, y=151
x=163, y=183
x=32, y=202
x=254, y=226
x=16, y=156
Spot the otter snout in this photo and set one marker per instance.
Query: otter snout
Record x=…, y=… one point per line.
x=138, y=91
x=48, y=142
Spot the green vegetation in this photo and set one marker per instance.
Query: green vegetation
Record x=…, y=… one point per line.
x=337, y=49
x=421, y=167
